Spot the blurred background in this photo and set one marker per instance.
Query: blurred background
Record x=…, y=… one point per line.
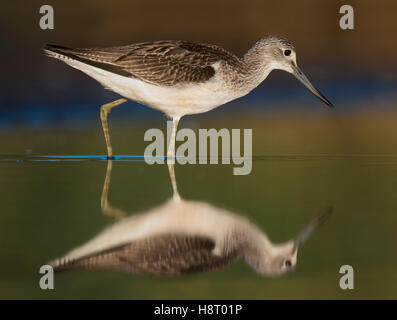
x=353, y=68
x=307, y=157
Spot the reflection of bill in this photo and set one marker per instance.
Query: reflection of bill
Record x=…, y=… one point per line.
x=181, y=237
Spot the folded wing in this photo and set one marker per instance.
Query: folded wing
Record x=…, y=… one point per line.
x=163, y=255
x=160, y=62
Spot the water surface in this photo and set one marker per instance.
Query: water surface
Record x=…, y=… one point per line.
x=51, y=204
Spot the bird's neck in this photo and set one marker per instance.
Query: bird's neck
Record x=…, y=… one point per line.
x=258, y=250
x=254, y=69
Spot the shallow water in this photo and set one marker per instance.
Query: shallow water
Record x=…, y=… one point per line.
x=52, y=204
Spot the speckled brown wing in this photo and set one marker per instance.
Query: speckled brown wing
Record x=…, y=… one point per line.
x=160, y=62
x=162, y=255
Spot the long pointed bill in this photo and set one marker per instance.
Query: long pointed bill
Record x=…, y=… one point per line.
x=308, y=230
x=297, y=72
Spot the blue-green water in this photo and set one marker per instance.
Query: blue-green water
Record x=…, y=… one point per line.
x=50, y=207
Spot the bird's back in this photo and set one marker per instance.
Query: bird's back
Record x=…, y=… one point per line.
x=162, y=255
x=160, y=62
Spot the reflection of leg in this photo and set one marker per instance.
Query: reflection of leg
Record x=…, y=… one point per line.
x=171, y=145
x=106, y=207
x=173, y=182
x=105, y=110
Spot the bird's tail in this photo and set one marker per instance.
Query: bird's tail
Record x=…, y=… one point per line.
x=59, y=52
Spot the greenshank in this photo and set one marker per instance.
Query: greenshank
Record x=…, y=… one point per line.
x=181, y=237
x=178, y=77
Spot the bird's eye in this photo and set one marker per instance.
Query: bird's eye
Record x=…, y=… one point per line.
x=287, y=263
x=287, y=52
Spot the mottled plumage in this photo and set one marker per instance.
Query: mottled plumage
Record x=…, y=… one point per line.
x=162, y=255
x=160, y=62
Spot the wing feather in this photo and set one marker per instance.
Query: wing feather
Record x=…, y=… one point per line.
x=165, y=255
x=160, y=62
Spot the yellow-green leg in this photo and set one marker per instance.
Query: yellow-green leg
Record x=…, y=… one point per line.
x=105, y=110
x=171, y=171
x=171, y=143
x=106, y=207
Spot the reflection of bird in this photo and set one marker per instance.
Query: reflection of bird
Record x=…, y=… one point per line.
x=178, y=77
x=182, y=237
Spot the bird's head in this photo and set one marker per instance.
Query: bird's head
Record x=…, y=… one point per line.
x=279, y=54
x=282, y=259
x=275, y=260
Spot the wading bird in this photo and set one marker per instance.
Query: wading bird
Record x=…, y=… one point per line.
x=178, y=77
x=181, y=237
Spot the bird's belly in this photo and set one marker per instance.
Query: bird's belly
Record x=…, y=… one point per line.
x=176, y=100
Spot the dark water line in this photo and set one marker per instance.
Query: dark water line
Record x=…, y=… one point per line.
x=255, y=158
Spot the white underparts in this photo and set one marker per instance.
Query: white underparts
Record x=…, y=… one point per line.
x=173, y=100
